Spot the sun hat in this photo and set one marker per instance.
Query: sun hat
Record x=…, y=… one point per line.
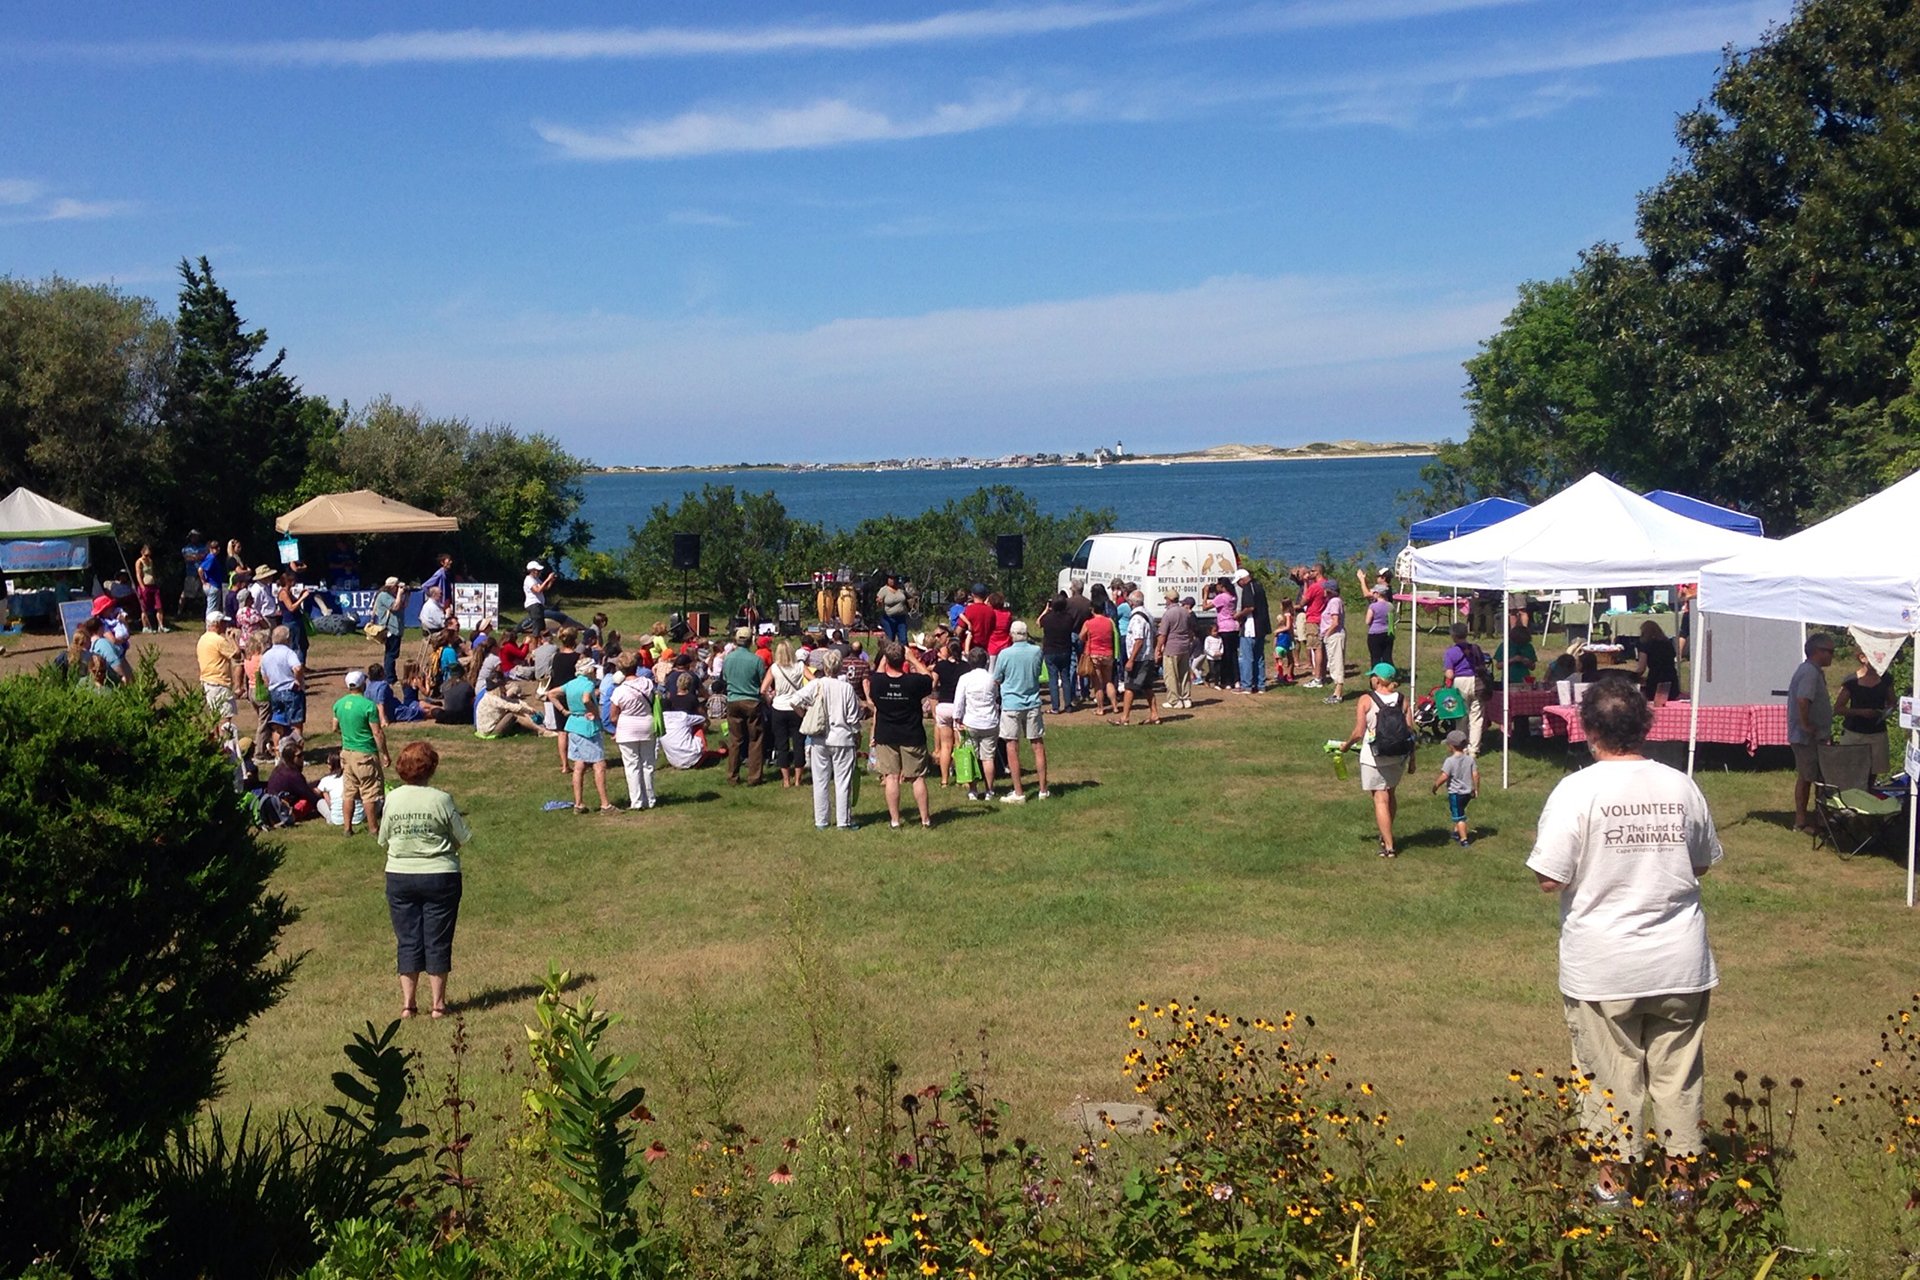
x=1456, y=739
x=101, y=604
x=1018, y=630
x=1384, y=671
x=264, y=573
x=355, y=679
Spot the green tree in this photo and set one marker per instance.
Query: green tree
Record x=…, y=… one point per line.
x=140, y=939
x=747, y=542
x=1749, y=353
x=239, y=429
x=515, y=496
x=83, y=369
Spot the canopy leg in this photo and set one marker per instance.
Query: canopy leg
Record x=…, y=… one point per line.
x=1913, y=780
x=1506, y=690
x=1698, y=647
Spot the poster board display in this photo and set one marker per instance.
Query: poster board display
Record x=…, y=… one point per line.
x=474, y=602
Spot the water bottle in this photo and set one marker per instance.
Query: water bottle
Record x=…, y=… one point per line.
x=1338, y=751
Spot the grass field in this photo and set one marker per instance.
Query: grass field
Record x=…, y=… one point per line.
x=1216, y=856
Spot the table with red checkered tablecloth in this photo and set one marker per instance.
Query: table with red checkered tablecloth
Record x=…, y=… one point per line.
x=1522, y=703
x=1752, y=725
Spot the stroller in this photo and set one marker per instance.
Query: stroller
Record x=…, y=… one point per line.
x=1438, y=713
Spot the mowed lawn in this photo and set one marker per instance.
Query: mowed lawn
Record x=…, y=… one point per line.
x=1215, y=856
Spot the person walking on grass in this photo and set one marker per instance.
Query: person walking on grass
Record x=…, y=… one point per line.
x=286, y=678
x=1016, y=672
x=1385, y=736
x=832, y=738
x=1460, y=775
x=897, y=691
x=1464, y=666
x=219, y=661
x=1623, y=844
x=1097, y=642
x=1140, y=663
x=743, y=672
x=423, y=834
x=1173, y=646
x=579, y=701
x=363, y=749
x=1379, y=626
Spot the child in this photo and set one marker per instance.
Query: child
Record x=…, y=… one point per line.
x=1283, y=640
x=1461, y=775
x=330, y=789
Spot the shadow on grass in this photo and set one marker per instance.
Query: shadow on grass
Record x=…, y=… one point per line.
x=494, y=997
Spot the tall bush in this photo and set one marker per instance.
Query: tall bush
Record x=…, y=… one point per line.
x=137, y=938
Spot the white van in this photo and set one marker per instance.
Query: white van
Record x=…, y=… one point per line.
x=1159, y=562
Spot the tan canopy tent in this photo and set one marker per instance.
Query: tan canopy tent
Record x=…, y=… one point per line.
x=362, y=511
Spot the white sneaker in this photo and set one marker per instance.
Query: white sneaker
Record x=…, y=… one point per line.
x=1313, y=684
x=1014, y=797
x=1047, y=795
x=1171, y=703
x=1186, y=703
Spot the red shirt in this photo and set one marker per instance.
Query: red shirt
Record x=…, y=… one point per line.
x=1001, y=634
x=1313, y=598
x=979, y=616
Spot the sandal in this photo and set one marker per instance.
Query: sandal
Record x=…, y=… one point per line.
x=408, y=1011
x=580, y=808
x=437, y=1012
x=609, y=808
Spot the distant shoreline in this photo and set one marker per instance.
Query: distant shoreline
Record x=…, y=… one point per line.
x=1341, y=452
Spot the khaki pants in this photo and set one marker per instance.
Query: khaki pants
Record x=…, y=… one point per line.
x=1476, y=716
x=1645, y=1050
x=360, y=779
x=1179, y=676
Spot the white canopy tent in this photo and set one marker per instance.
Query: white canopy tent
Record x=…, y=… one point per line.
x=1591, y=535
x=1855, y=569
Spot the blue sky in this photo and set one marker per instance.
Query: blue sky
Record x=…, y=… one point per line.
x=713, y=232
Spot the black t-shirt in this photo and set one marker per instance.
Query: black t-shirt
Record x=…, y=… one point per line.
x=1056, y=630
x=1661, y=665
x=681, y=692
x=1079, y=609
x=897, y=720
x=565, y=664
x=946, y=678
x=1868, y=700
x=456, y=702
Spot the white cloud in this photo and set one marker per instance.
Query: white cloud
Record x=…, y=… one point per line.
x=705, y=218
x=827, y=122
x=66, y=209
x=628, y=43
x=20, y=190
x=1233, y=351
x=28, y=200
x=1305, y=15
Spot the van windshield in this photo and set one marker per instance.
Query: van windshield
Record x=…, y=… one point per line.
x=1081, y=556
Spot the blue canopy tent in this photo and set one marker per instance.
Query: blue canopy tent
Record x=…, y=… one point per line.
x=1468, y=519
x=1706, y=512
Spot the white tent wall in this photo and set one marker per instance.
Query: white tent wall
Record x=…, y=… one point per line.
x=1744, y=660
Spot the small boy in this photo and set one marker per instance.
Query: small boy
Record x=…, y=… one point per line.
x=1460, y=773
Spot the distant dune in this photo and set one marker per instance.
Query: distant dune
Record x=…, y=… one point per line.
x=1218, y=453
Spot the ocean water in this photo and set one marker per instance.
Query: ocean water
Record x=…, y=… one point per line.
x=1287, y=511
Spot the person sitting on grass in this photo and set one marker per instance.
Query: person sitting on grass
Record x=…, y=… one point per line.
x=403, y=705
x=330, y=789
x=501, y=710
x=289, y=781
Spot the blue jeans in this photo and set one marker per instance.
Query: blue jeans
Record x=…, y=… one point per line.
x=895, y=629
x=1253, y=663
x=1059, y=678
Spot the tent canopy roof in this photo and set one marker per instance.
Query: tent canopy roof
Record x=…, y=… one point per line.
x=1591, y=534
x=25, y=514
x=1856, y=568
x=1471, y=518
x=362, y=511
x=1698, y=509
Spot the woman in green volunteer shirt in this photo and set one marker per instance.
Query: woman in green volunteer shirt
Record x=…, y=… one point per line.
x=422, y=833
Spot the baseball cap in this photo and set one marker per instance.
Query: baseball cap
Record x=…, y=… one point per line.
x=214, y=615
x=742, y=635
x=1384, y=671
x=1018, y=630
x=533, y=564
x=979, y=588
x=393, y=582
x=355, y=679
x=1456, y=739
x=1241, y=572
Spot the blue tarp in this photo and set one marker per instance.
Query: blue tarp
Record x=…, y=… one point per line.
x=1706, y=512
x=1471, y=518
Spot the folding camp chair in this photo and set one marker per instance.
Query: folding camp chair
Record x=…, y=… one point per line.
x=1851, y=816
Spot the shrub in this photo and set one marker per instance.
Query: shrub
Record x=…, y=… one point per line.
x=137, y=938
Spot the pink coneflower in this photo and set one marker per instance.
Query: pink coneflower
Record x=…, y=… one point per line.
x=657, y=1151
x=781, y=1176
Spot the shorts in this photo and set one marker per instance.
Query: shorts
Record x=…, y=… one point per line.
x=1457, y=805
x=943, y=715
x=1283, y=643
x=1384, y=773
x=149, y=598
x=362, y=768
x=585, y=748
x=1806, y=761
x=1031, y=725
x=1140, y=679
x=907, y=761
x=220, y=700
x=287, y=706
x=1310, y=634
x=983, y=740
x=1336, y=647
x=1102, y=668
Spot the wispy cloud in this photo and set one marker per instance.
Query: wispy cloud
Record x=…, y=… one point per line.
x=828, y=122
x=628, y=43
x=26, y=200
x=1307, y=15
x=704, y=218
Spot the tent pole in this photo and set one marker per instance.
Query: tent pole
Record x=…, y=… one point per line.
x=1506, y=687
x=1413, y=639
x=1913, y=782
x=1697, y=648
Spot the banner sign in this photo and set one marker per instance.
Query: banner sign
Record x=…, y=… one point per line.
x=43, y=555
x=474, y=602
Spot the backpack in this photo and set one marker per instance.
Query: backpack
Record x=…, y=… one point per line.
x=1392, y=736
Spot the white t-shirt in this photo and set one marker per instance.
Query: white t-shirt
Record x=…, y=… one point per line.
x=634, y=698
x=1629, y=839
x=976, y=700
x=433, y=615
x=530, y=587
x=330, y=789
